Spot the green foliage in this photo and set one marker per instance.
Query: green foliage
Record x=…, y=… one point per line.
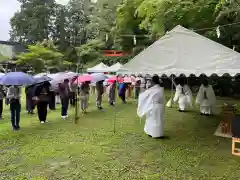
x=90, y=52
x=40, y=58
x=33, y=22
x=151, y=13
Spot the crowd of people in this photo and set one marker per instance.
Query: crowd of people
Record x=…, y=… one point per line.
x=149, y=92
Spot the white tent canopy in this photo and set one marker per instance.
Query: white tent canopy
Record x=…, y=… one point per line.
x=115, y=68
x=100, y=68
x=182, y=51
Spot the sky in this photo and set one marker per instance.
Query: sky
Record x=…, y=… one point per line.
x=7, y=10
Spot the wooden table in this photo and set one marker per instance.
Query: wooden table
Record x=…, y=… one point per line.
x=228, y=112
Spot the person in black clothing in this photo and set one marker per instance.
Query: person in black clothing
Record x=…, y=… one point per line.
x=42, y=99
x=29, y=101
x=52, y=99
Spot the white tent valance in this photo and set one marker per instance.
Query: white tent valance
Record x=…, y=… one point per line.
x=100, y=68
x=115, y=68
x=182, y=51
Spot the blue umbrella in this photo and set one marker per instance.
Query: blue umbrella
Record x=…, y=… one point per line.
x=42, y=79
x=17, y=78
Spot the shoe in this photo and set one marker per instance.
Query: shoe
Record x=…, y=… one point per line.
x=46, y=121
x=42, y=122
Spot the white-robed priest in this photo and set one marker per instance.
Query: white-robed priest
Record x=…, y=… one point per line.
x=151, y=104
x=184, y=96
x=206, y=98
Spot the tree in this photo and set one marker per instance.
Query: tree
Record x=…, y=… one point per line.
x=41, y=58
x=90, y=52
x=103, y=19
x=33, y=22
x=77, y=20
x=228, y=12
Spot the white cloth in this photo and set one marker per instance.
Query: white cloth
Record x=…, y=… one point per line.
x=151, y=104
x=206, y=103
x=148, y=84
x=184, y=97
x=58, y=101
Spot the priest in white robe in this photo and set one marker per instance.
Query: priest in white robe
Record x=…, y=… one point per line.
x=151, y=104
x=183, y=96
x=206, y=98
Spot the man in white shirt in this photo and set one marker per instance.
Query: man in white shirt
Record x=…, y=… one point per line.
x=14, y=96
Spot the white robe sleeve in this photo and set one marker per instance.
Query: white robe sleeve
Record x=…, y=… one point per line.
x=200, y=95
x=147, y=99
x=177, y=93
x=143, y=103
x=188, y=94
x=211, y=95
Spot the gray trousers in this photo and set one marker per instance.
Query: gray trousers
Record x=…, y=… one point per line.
x=99, y=101
x=84, y=102
x=137, y=92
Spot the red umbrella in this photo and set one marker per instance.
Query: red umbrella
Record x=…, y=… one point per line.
x=83, y=78
x=115, y=78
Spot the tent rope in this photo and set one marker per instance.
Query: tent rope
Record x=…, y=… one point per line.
x=195, y=30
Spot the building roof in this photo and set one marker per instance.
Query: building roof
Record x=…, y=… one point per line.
x=11, y=49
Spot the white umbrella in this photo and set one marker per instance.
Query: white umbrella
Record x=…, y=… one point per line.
x=98, y=77
x=60, y=77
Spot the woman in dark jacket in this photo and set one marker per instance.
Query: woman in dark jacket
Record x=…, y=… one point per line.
x=29, y=99
x=42, y=99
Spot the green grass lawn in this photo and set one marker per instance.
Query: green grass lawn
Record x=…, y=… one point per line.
x=90, y=150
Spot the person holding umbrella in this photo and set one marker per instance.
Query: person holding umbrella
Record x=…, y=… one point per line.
x=84, y=93
x=14, y=80
x=52, y=99
x=73, y=91
x=122, y=91
x=42, y=99
x=64, y=95
x=100, y=91
x=29, y=99
x=112, y=93
x=14, y=96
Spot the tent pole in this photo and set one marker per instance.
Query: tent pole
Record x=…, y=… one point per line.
x=172, y=89
x=115, y=113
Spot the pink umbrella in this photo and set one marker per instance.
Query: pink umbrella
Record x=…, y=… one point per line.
x=127, y=79
x=83, y=78
x=114, y=78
